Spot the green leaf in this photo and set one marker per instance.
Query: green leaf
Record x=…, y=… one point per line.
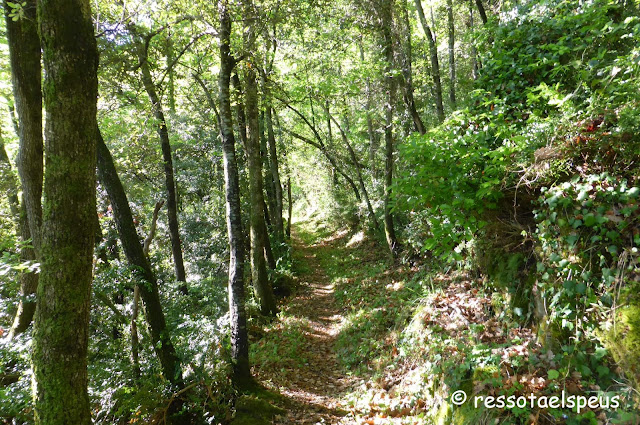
x=553, y=374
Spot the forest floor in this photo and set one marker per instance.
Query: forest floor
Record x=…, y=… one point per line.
x=324, y=352
x=366, y=341
x=314, y=382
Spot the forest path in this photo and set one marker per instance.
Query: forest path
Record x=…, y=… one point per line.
x=314, y=382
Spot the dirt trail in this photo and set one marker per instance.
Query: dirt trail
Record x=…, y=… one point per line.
x=314, y=392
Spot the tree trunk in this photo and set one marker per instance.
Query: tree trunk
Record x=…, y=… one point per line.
x=163, y=133
x=319, y=144
x=483, y=14
x=407, y=73
x=24, y=53
x=26, y=73
x=239, y=336
x=290, y=205
x=363, y=188
x=9, y=182
x=133, y=250
x=275, y=175
x=373, y=139
x=268, y=251
x=28, y=280
x=452, y=54
x=61, y=331
x=259, y=275
x=240, y=115
x=387, y=23
x=474, y=52
x=435, y=65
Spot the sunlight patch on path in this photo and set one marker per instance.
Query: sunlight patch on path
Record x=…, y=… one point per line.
x=316, y=391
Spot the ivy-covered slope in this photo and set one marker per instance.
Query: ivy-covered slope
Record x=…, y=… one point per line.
x=534, y=183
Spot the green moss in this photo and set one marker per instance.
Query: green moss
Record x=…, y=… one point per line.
x=251, y=410
x=623, y=340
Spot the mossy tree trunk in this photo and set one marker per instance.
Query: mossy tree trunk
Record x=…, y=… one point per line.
x=61, y=330
x=26, y=73
x=274, y=168
x=239, y=336
x=28, y=280
x=452, y=53
x=259, y=275
x=386, y=23
x=133, y=250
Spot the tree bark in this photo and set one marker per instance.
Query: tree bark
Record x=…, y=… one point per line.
x=26, y=73
x=239, y=336
x=435, y=65
x=9, y=182
x=483, y=13
x=389, y=229
x=363, y=188
x=240, y=115
x=407, y=73
x=259, y=274
x=474, y=52
x=269, y=187
x=290, y=206
x=135, y=344
x=452, y=54
x=148, y=286
x=28, y=279
x=61, y=331
x=373, y=138
x=170, y=185
x=275, y=175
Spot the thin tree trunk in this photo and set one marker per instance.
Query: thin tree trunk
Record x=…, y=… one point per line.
x=268, y=251
x=239, y=336
x=474, y=52
x=28, y=283
x=10, y=181
x=334, y=175
x=259, y=274
x=275, y=175
x=240, y=114
x=290, y=205
x=363, y=188
x=170, y=65
x=28, y=279
x=452, y=54
x=407, y=73
x=373, y=139
x=269, y=187
x=135, y=345
x=12, y=114
x=435, y=65
x=322, y=147
x=61, y=329
x=26, y=73
x=170, y=185
x=387, y=15
x=133, y=250
x=483, y=14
